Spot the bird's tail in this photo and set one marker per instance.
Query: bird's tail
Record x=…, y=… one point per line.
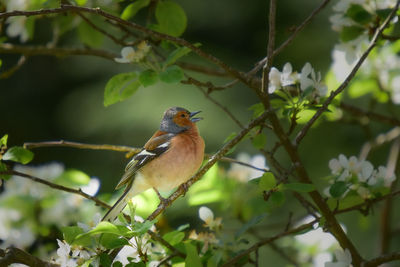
x=117, y=208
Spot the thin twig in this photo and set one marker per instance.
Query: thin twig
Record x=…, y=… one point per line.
x=8, y=73
x=395, y=256
x=379, y=140
x=344, y=84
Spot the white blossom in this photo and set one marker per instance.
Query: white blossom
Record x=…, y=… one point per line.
x=278, y=79
x=343, y=258
x=244, y=173
x=64, y=257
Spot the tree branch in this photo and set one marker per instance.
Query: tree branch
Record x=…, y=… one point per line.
x=353, y=72
x=15, y=255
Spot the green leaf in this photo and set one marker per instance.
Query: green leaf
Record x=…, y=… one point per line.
x=259, y=140
x=383, y=13
x=18, y=154
x=338, y=189
x=30, y=26
x=171, y=18
x=358, y=14
x=257, y=109
x=3, y=140
x=172, y=74
x=255, y=220
x=230, y=137
x=104, y=228
x=1, y=62
x=148, y=77
x=70, y=232
x=3, y=167
x=177, y=54
x=120, y=86
x=81, y=2
x=105, y=259
x=267, y=181
x=89, y=36
x=131, y=9
x=299, y=187
x=73, y=177
x=350, y=33
x=192, y=256
x=174, y=237
x=277, y=198
x=112, y=241
x=141, y=228
x=214, y=260
x=116, y=264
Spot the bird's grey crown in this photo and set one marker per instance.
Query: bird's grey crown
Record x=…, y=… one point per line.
x=167, y=123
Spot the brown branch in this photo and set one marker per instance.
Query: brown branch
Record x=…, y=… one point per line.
x=353, y=72
x=15, y=255
x=395, y=256
x=370, y=114
x=8, y=73
x=7, y=48
x=213, y=159
x=379, y=140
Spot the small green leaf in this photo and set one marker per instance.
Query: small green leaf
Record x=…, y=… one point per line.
x=3, y=168
x=1, y=62
x=267, y=181
x=277, y=198
x=253, y=221
x=257, y=109
x=177, y=54
x=116, y=264
x=230, y=137
x=214, y=260
x=18, y=154
x=259, y=140
x=299, y=187
x=89, y=36
x=3, y=140
x=383, y=13
x=131, y=9
x=183, y=227
x=70, y=232
x=358, y=14
x=120, y=86
x=112, y=241
x=171, y=18
x=81, y=2
x=141, y=228
x=338, y=189
x=148, y=77
x=350, y=33
x=192, y=256
x=104, y=228
x=172, y=74
x=174, y=237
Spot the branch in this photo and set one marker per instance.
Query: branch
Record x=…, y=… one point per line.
x=7, y=48
x=395, y=256
x=353, y=72
x=379, y=140
x=15, y=255
x=213, y=159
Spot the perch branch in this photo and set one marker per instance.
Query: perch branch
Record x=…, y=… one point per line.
x=15, y=255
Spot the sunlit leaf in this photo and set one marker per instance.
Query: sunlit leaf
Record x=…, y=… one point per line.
x=112, y=241
x=73, y=177
x=174, y=237
x=172, y=74
x=171, y=18
x=131, y=9
x=267, y=181
x=70, y=232
x=3, y=140
x=177, y=54
x=18, y=154
x=104, y=228
x=120, y=86
x=257, y=109
x=141, y=228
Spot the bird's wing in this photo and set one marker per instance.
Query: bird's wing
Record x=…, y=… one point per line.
x=152, y=149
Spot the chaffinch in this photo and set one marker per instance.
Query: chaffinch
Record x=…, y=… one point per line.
x=169, y=158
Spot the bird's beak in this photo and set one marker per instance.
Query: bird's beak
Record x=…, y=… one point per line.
x=194, y=114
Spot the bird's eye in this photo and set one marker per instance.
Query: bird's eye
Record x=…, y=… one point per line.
x=183, y=115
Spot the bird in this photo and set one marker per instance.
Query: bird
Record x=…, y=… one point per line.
x=168, y=159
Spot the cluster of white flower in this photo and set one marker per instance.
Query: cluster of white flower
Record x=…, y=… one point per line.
x=244, y=173
x=360, y=175
x=130, y=55
x=16, y=25
x=306, y=78
x=77, y=257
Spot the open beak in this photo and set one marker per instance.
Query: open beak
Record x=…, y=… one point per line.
x=194, y=114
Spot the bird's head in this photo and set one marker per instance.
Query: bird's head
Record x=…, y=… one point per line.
x=176, y=120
